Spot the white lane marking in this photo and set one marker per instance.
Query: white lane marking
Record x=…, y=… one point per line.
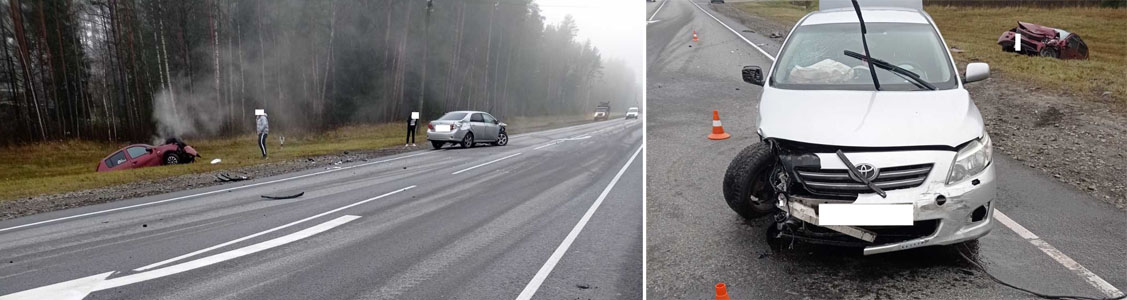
x=80, y=288
x=204, y=193
x=1060, y=257
x=534, y=285
x=732, y=30
x=547, y=145
x=197, y=252
x=657, y=10
x=477, y=166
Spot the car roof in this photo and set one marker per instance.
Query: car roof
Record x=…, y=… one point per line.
x=466, y=111
x=871, y=15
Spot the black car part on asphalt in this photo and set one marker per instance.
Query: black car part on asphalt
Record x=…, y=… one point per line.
x=284, y=196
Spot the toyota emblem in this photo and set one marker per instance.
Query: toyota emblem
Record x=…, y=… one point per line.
x=866, y=170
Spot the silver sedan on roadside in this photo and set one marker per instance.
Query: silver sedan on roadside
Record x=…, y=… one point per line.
x=466, y=128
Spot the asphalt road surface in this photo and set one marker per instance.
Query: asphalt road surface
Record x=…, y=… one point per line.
x=695, y=241
x=555, y=214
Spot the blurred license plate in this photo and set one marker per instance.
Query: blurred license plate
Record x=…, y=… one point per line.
x=866, y=214
x=442, y=128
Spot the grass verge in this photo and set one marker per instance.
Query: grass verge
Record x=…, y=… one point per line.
x=67, y=166
x=974, y=30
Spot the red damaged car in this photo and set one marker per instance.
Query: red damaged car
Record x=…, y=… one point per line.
x=1044, y=41
x=141, y=155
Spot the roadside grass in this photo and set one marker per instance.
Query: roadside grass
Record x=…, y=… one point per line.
x=67, y=166
x=975, y=30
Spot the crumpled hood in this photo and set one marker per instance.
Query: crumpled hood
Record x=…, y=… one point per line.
x=870, y=119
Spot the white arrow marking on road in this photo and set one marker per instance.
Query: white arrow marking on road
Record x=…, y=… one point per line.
x=481, y=165
x=197, y=252
x=577, y=138
x=80, y=288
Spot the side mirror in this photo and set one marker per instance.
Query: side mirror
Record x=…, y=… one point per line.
x=496, y=122
x=976, y=72
x=149, y=150
x=753, y=75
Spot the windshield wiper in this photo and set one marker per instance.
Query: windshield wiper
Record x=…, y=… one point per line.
x=912, y=76
x=865, y=43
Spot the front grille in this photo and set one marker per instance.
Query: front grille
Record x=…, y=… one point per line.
x=838, y=182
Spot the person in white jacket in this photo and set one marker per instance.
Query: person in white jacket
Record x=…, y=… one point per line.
x=263, y=127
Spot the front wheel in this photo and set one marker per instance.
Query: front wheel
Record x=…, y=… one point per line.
x=746, y=187
x=171, y=159
x=1049, y=52
x=502, y=140
x=467, y=141
x=437, y=145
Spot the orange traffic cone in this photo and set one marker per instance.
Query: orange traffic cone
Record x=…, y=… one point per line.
x=722, y=292
x=717, y=129
x=695, y=39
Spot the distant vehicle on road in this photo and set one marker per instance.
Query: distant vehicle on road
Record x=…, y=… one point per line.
x=1044, y=41
x=874, y=144
x=717, y=1
x=137, y=156
x=467, y=128
x=602, y=112
x=632, y=113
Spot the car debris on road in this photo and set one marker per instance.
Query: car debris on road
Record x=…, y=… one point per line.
x=283, y=197
x=226, y=177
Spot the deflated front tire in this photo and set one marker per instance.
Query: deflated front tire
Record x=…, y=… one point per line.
x=746, y=188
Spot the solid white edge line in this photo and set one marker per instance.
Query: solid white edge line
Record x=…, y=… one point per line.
x=534, y=284
x=204, y=193
x=1060, y=257
x=657, y=10
x=732, y=30
x=197, y=252
x=477, y=166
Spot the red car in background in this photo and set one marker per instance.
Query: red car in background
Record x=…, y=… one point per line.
x=142, y=155
x=1044, y=41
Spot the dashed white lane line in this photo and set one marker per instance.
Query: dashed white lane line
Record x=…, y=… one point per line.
x=82, y=287
x=1060, y=257
x=732, y=30
x=538, y=279
x=197, y=252
x=657, y=10
x=484, y=164
x=547, y=145
x=205, y=193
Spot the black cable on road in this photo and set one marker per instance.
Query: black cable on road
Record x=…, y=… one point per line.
x=1039, y=295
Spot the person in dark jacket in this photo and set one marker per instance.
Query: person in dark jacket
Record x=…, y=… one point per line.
x=412, y=123
x=263, y=127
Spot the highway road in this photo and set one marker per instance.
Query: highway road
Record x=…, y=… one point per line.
x=555, y=214
x=1060, y=240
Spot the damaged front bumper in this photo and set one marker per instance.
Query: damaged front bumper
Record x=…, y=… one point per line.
x=944, y=213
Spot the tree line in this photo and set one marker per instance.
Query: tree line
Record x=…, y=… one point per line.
x=135, y=70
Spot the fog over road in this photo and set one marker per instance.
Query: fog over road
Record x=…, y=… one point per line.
x=478, y=223
x=694, y=240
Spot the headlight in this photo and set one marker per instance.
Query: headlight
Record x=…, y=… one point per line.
x=971, y=159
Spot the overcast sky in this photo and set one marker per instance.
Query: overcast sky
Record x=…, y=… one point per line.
x=616, y=27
